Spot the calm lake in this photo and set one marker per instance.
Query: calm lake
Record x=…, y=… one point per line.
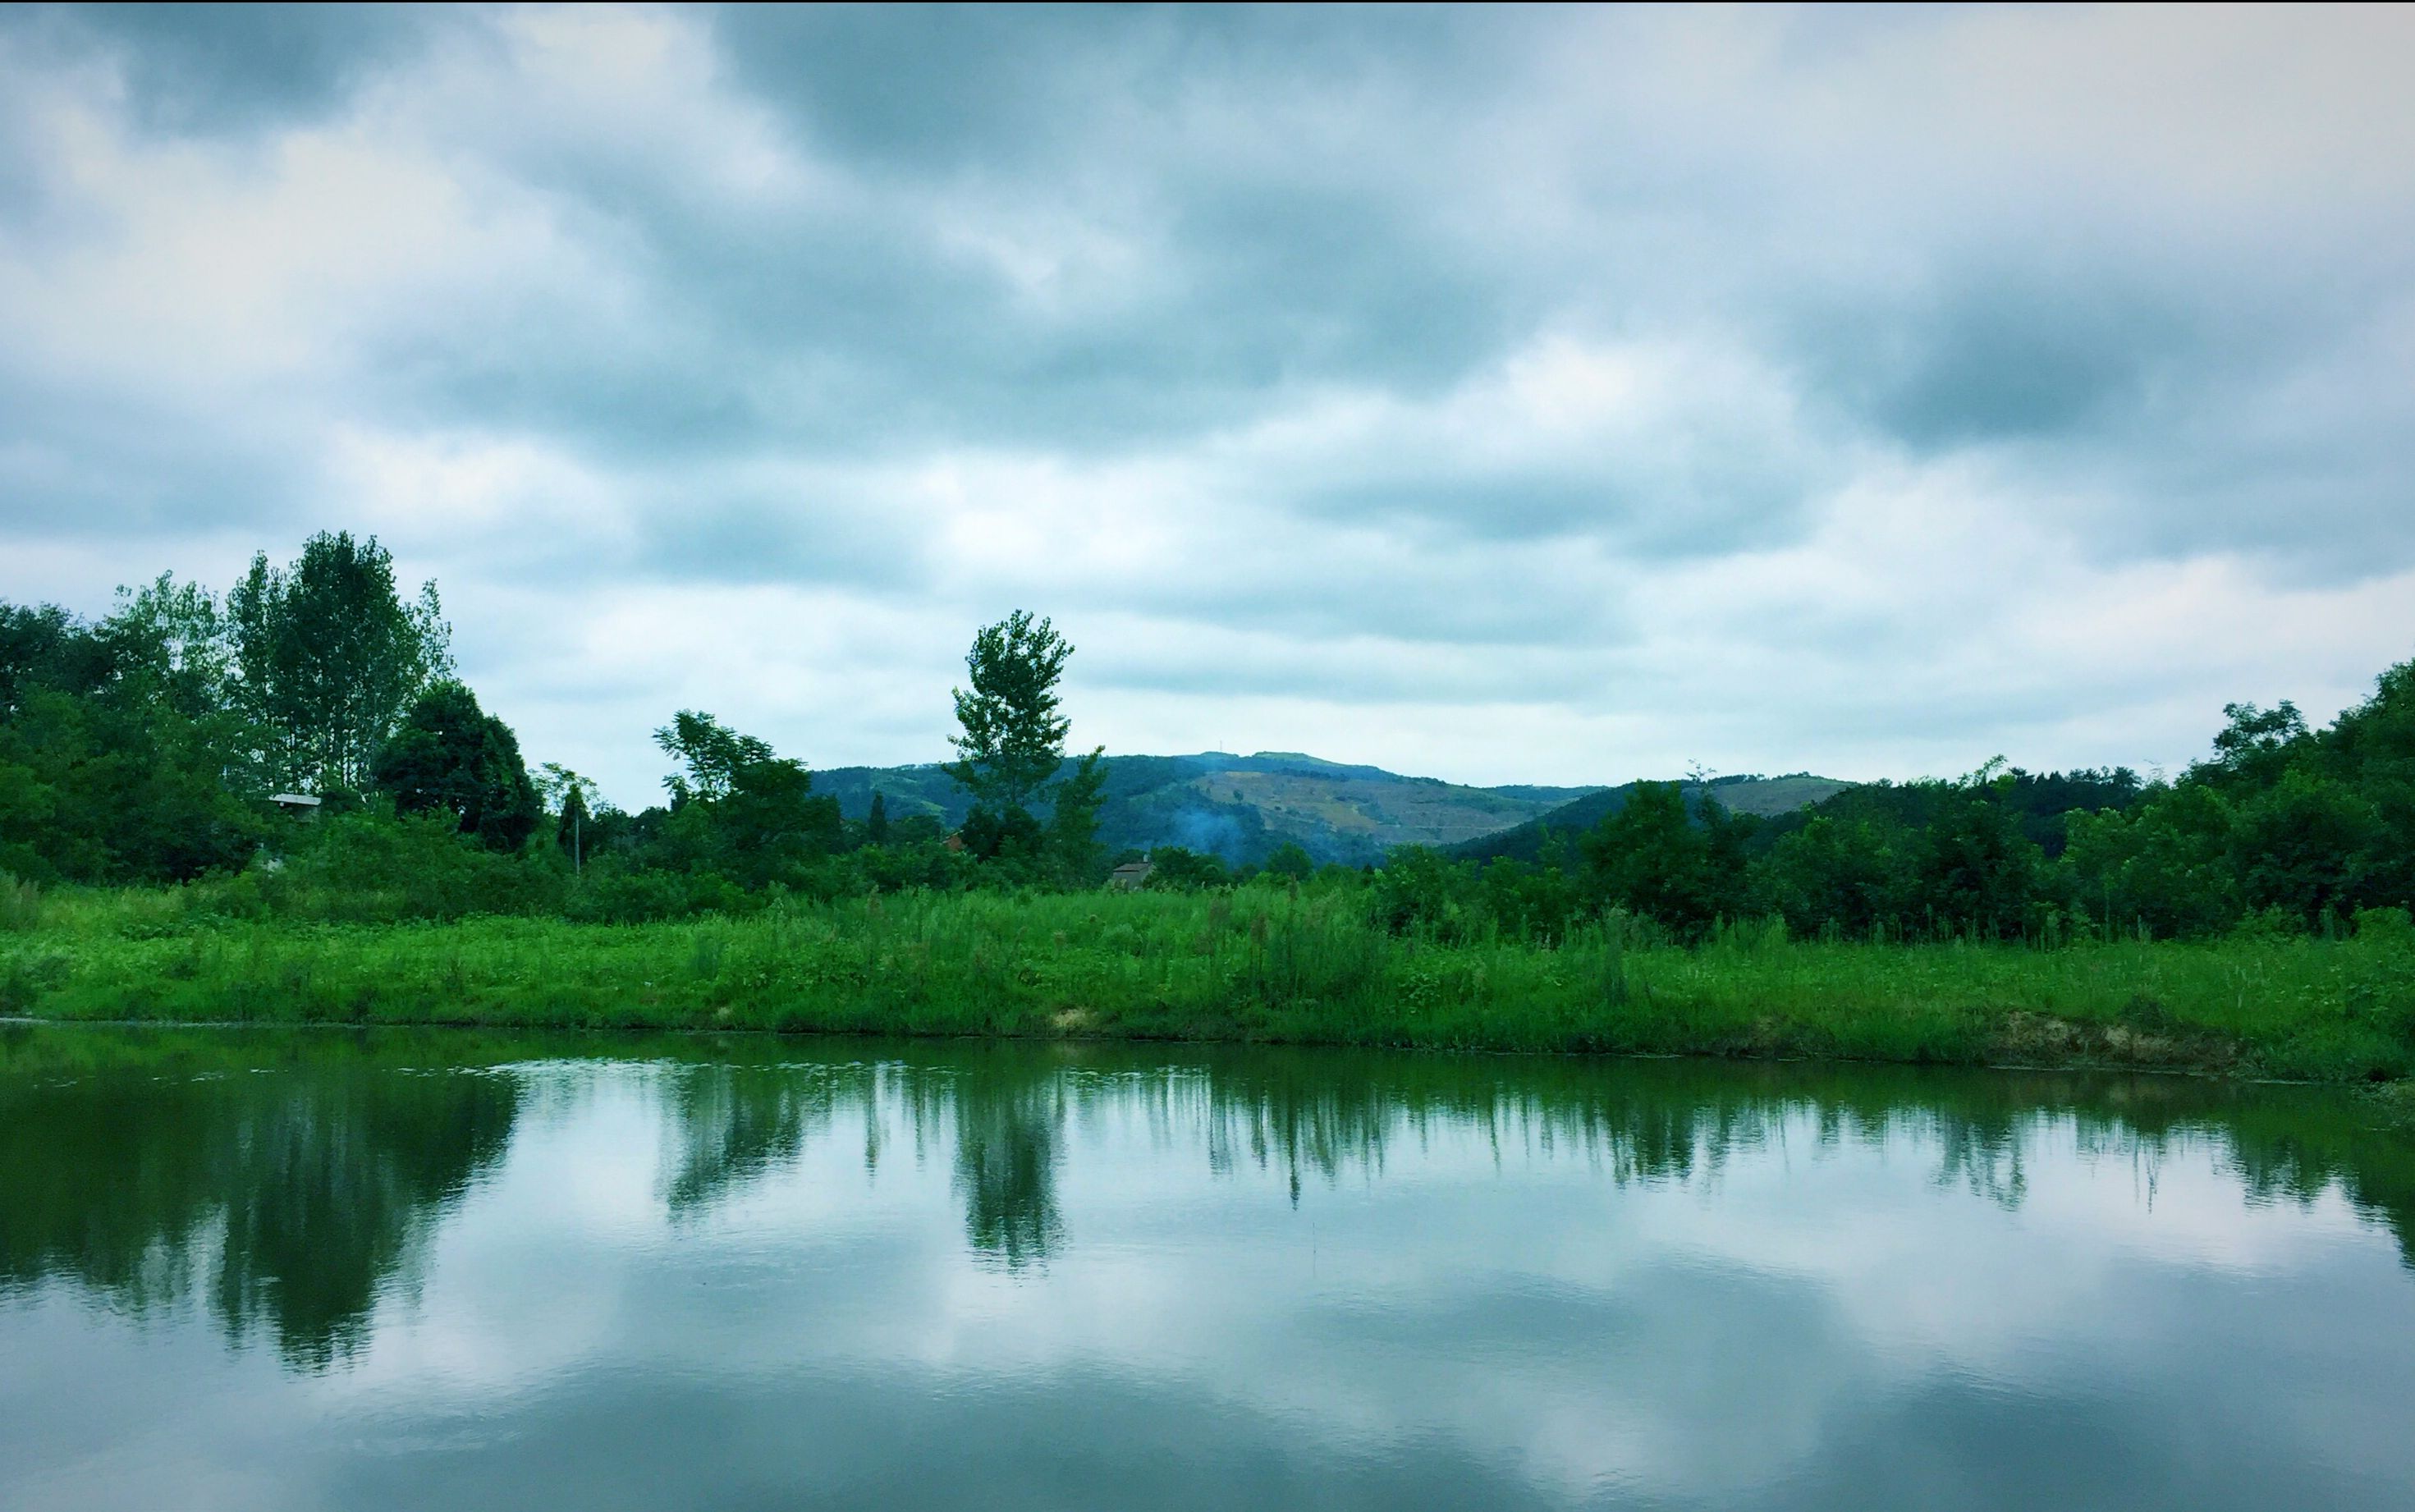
x=455, y=1269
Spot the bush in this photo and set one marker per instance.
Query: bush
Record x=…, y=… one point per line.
x=371, y=868
x=1176, y=869
x=2386, y=928
x=1419, y=889
x=616, y=896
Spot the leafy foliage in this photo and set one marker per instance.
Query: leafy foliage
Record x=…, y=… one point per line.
x=330, y=656
x=1010, y=756
x=572, y=800
x=113, y=748
x=738, y=810
x=711, y=755
x=451, y=757
x=1291, y=860
x=1013, y=737
x=1074, y=818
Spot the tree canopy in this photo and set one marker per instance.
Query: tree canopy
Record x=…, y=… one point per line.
x=330, y=656
x=1010, y=753
x=450, y=756
x=1011, y=739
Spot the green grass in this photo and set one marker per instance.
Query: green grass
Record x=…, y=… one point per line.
x=1258, y=964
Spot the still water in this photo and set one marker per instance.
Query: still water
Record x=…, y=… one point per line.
x=436, y=1270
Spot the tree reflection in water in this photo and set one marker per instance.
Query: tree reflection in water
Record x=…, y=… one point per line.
x=1007, y=1131
x=734, y=1122
x=289, y=1196
x=288, y=1182
x=1327, y=1117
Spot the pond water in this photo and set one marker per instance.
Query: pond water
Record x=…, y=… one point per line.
x=454, y=1269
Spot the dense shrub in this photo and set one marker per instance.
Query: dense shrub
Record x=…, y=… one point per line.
x=375, y=867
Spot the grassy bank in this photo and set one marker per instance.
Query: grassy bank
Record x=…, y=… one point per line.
x=1257, y=965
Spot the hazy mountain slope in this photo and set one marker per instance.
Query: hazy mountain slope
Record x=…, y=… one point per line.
x=1763, y=796
x=916, y=789
x=1240, y=807
x=1771, y=796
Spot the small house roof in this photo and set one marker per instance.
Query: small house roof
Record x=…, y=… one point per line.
x=302, y=799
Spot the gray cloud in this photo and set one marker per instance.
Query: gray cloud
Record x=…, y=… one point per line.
x=1357, y=347
x=230, y=67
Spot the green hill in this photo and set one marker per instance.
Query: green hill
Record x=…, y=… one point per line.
x=1768, y=796
x=2040, y=802
x=1240, y=807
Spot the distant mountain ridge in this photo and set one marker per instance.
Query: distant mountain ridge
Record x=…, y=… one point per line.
x=1243, y=807
x=1240, y=807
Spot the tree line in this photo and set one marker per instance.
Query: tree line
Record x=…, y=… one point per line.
x=149, y=747
x=155, y=746
x=2282, y=829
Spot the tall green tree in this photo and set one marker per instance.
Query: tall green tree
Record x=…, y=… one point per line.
x=1976, y=873
x=739, y=810
x=1654, y=857
x=451, y=757
x=173, y=637
x=111, y=770
x=174, y=655
x=44, y=647
x=2373, y=745
x=571, y=797
x=2308, y=846
x=1012, y=738
x=2255, y=745
x=1074, y=823
x=1011, y=753
x=710, y=755
x=2163, y=867
x=1835, y=876
x=330, y=656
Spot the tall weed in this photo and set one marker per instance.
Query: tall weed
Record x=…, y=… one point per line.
x=20, y=903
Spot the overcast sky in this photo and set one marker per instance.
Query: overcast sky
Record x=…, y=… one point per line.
x=1554, y=396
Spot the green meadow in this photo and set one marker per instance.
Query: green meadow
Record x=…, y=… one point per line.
x=1258, y=963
